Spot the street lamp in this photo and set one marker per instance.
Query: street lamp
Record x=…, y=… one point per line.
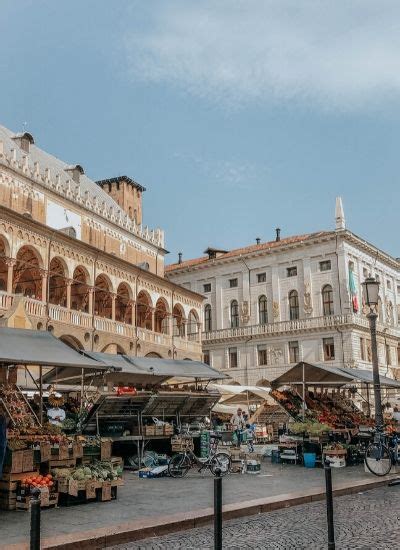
x=371, y=297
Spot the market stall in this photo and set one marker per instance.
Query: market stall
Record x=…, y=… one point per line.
x=38, y=453
x=320, y=401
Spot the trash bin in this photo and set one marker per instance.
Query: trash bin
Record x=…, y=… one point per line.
x=309, y=460
x=275, y=456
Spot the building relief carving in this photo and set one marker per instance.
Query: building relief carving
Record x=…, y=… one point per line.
x=245, y=313
x=275, y=310
x=308, y=308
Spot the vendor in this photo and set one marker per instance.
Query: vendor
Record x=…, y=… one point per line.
x=56, y=414
x=239, y=425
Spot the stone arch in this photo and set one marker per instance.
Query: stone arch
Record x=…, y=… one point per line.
x=123, y=307
x=153, y=354
x=80, y=289
x=27, y=278
x=263, y=382
x=144, y=307
x=4, y=253
x=103, y=296
x=161, y=316
x=178, y=321
x=193, y=322
x=58, y=275
x=116, y=349
x=71, y=341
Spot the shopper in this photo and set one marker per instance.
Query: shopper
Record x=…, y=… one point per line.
x=250, y=438
x=238, y=424
x=56, y=414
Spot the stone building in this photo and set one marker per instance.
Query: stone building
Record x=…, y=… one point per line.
x=272, y=304
x=75, y=259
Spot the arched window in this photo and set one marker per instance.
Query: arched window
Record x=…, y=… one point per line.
x=207, y=318
x=294, y=312
x=262, y=310
x=327, y=300
x=234, y=314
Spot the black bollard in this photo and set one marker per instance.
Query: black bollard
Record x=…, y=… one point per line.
x=35, y=520
x=218, y=510
x=329, y=505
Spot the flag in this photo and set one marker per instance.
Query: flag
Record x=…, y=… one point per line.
x=353, y=290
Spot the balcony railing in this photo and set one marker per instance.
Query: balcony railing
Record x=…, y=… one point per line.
x=60, y=314
x=299, y=325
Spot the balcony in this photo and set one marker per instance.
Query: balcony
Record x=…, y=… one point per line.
x=300, y=325
x=87, y=322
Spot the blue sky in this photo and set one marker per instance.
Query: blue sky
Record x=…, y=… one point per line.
x=237, y=116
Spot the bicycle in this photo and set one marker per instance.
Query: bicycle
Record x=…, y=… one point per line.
x=381, y=454
x=181, y=463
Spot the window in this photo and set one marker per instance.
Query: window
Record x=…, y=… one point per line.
x=234, y=314
x=294, y=312
x=293, y=352
x=362, y=349
x=262, y=310
x=262, y=355
x=365, y=272
x=388, y=356
x=398, y=289
x=206, y=357
x=388, y=284
x=327, y=300
x=261, y=277
x=398, y=354
x=207, y=318
x=233, y=358
x=233, y=283
x=325, y=265
x=329, y=349
x=291, y=271
x=207, y=287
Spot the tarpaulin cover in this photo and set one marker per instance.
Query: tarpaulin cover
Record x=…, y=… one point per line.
x=37, y=347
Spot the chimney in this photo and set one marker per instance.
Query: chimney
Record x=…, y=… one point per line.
x=278, y=234
x=258, y=240
x=179, y=257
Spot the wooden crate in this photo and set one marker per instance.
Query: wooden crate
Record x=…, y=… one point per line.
x=27, y=460
x=105, y=450
x=69, y=463
x=13, y=462
x=25, y=503
x=19, y=475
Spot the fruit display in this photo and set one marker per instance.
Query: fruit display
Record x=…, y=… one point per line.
x=98, y=471
x=39, y=481
x=18, y=410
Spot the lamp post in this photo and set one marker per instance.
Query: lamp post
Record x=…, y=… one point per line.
x=371, y=297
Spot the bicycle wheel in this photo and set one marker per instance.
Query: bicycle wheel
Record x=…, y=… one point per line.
x=221, y=461
x=179, y=465
x=378, y=459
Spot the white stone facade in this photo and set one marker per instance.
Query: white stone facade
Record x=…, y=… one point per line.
x=334, y=334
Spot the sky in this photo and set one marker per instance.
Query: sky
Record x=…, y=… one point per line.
x=238, y=116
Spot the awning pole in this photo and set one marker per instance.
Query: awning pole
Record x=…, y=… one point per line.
x=304, y=393
x=82, y=390
x=368, y=401
x=41, y=393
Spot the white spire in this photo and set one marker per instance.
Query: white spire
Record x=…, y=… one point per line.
x=339, y=214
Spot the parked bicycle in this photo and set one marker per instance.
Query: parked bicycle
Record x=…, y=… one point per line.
x=382, y=453
x=181, y=463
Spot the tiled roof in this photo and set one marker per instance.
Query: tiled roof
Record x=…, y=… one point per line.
x=248, y=250
x=56, y=166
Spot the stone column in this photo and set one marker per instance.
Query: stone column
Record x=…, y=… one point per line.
x=199, y=327
x=153, y=319
x=113, y=302
x=90, y=295
x=217, y=307
x=171, y=325
x=277, y=304
x=44, y=275
x=69, y=282
x=10, y=262
x=132, y=305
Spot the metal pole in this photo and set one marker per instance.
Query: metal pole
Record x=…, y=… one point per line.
x=375, y=371
x=218, y=510
x=329, y=505
x=35, y=520
x=41, y=394
x=304, y=394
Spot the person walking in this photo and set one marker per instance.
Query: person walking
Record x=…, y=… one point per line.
x=238, y=424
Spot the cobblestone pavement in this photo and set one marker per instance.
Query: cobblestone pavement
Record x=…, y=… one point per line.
x=146, y=498
x=363, y=521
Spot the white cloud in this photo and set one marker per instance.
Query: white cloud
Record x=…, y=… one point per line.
x=338, y=53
